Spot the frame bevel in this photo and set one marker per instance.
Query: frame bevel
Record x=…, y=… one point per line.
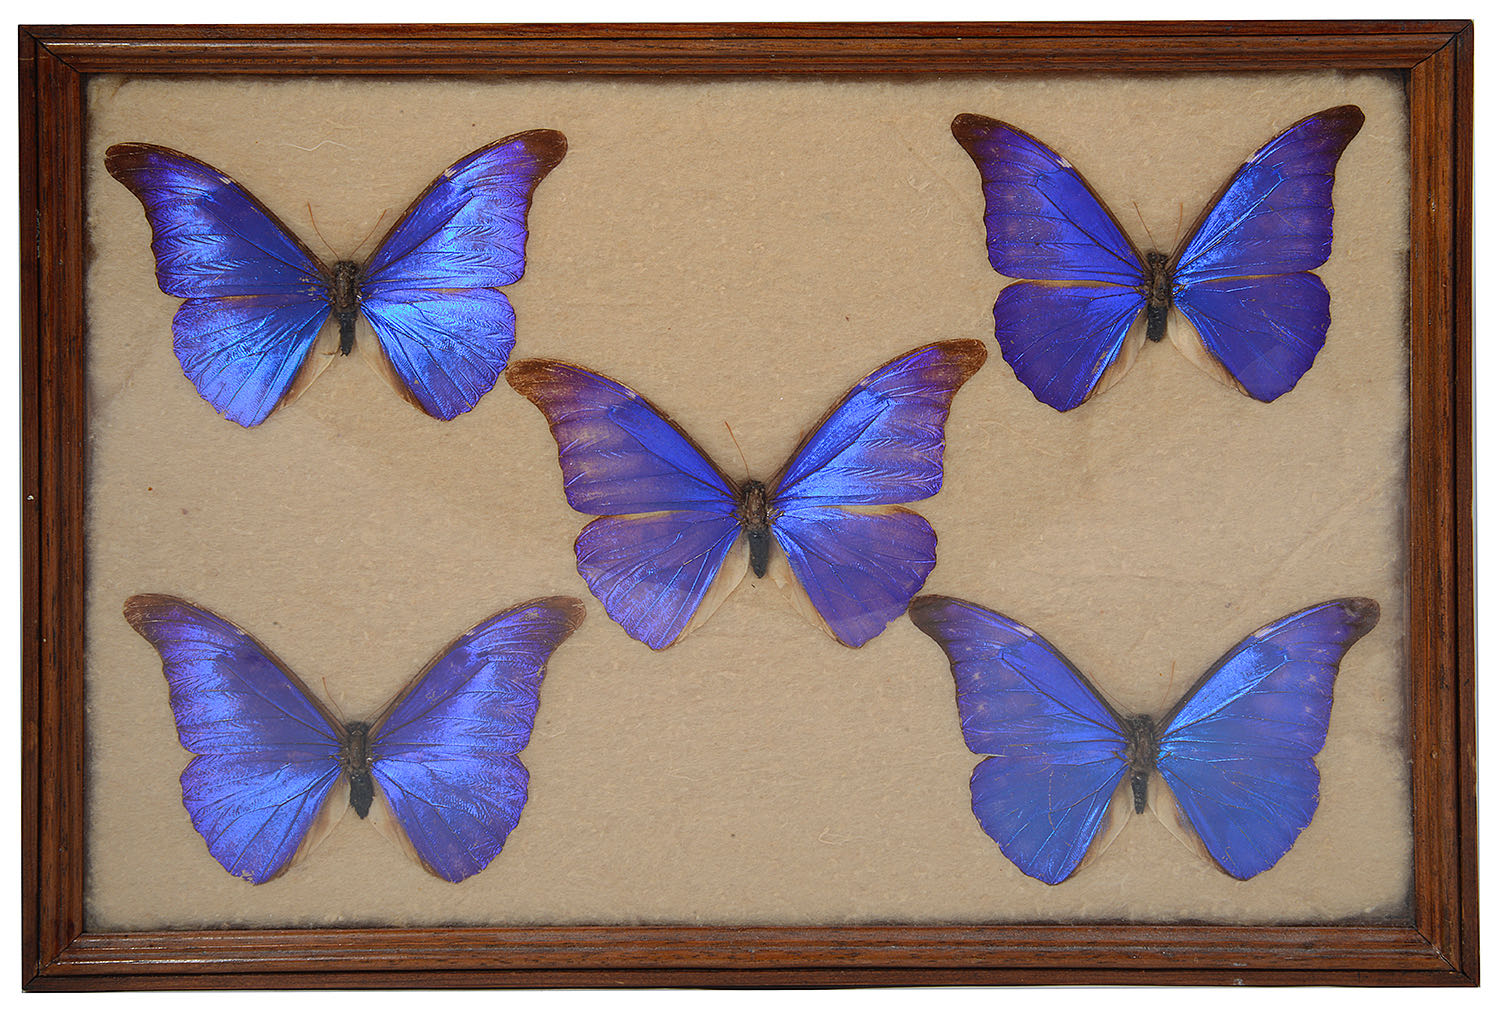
x=1440, y=946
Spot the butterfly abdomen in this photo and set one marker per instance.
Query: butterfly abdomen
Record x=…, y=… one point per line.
x=754, y=514
x=1158, y=295
x=355, y=759
x=344, y=294
x=1140, y=732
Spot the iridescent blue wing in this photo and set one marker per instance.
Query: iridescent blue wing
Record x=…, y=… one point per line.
x=1237, y=752
x=858, y=567
x=444, y=752
x=670, y=512
x=1243, y=275
x=255, y=296
x=1061, y=332
x=266, y=752
x=881, y=444
x=445, y=332
x=660, y=574
x=1056, y=751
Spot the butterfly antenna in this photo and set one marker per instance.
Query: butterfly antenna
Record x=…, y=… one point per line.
x=737, y=447
x=1142, y=218
x=320, y=232
x=372, y=230
x=332, y=703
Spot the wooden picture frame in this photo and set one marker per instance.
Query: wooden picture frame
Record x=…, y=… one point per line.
x=1438, y=947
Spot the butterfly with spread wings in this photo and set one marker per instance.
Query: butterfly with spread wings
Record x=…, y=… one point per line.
x=437, y=768
x=1062, y=764
x=1242, y=275
x=658, y=559
x=255, y=298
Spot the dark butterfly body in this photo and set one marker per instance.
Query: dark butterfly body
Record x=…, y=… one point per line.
x=271, y=761
x=255, y=298
x=1242, y=275
x=657, y=558
x=1235, y=753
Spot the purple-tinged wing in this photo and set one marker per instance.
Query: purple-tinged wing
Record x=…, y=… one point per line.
x=468, y=228
x=859, y=569
x=1062, y=341
x=659, y=575
x=1237, y=752
x=444, y=754
x=441, y=350
x=1042, y=219
x=882, y=443
x=619, y=454
x=1241, y=276
x=1062, y=332
x=267, y=754
x=256, y=297
x=1263, y=331
x=1276, y=213
x=1057, y=751
x=445, y=333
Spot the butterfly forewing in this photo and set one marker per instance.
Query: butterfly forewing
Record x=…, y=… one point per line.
x=1042, y=219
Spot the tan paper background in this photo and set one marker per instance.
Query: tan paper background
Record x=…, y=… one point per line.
x=742, y=251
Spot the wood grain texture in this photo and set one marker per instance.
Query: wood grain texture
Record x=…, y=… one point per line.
x=1439, y=947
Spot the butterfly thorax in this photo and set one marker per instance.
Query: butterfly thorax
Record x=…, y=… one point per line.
x=1158, y=295
x=754, y=514
x=355, y=759
x=344, y=294
x=1140, y=753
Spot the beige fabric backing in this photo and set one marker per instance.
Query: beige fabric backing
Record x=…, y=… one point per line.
x=742, y=251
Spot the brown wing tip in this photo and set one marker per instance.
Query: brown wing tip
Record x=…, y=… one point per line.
x=967, y=127
x=140, y=608
x=526, y=376
x=547, y=146
x=968, y=354
x=569, y=609
x=1363, y=613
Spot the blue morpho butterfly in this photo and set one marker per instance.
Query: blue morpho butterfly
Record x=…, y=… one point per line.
x=657, y=560
x=1236, y=752
x=1242, y=275
x=256, y=298
x=272, y=763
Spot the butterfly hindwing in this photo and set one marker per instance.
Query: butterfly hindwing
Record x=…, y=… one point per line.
x=429, y=290
x=1057, y=752
x=1237, y=752
x=445, y=751
x=267, y=754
